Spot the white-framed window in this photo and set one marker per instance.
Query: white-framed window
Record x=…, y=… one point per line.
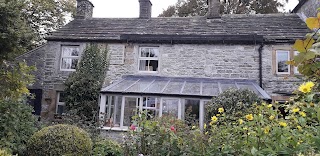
x=295, y=69
x=148, y=59
x=116, y=112
x=282, y=57
x=69, y=58
x=61, y=105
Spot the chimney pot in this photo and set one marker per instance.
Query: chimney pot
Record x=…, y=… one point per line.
x=145, y=9
x=213, y=9
x=84, y=9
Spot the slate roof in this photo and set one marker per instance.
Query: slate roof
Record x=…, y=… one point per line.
x=273, y=27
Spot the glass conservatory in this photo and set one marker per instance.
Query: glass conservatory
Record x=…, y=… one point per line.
x=160, y=96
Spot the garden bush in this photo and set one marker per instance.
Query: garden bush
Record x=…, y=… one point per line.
x=60, y=140
x=4, y=153
x=107, y=148
x=234, y=102
x=156, y=137
x=17, y=124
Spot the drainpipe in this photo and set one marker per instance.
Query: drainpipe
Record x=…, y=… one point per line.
x=260, y=64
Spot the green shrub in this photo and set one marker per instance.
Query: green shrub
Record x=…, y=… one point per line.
x=107, y=148
x=156, y=137
x=17, y=124
x=60, y=140
x=4, y=153
x=233, y=101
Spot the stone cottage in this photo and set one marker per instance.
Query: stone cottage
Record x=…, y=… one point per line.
x=169, y=65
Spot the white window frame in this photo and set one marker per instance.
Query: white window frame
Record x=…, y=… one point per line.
x=103, y=105
x=68, y=57
x=58, y=103
x=148, y=58
x=295, y=69
x=288, y=59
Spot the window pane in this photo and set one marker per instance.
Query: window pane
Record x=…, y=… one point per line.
x=149, y=52
x=282, y=58
x=140, y=86
x=192, y=88
x=226, y=86
x=151, y=105
x=113, y=115
x=60, y=109
x=191, y=111
x=173, y=88
x=62, y=97
x=170, y=107
x=130, y=110
x=68, y=63
x=148, y=65
x=68, y=51
x=211, y=89
x=157, y=86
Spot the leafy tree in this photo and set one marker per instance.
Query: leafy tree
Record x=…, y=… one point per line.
x=44, y=16
x=185, y=8
x=84, y=85
x=15, y=33
x=17, y=124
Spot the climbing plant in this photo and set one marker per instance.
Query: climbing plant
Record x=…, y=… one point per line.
x=83, y=86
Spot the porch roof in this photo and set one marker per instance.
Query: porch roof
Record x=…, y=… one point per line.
x=180, y=86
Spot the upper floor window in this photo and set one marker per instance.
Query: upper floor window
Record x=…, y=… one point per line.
x=149, y=59
x=69, y=58
x=281, y=62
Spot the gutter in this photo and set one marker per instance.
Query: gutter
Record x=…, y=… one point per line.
x=260, y=64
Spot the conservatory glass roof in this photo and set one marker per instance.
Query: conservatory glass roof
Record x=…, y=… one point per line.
x=180, y=86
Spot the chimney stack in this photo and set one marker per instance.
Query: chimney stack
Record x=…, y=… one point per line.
x=213, y=9
x=84, y=9
x=145, y=9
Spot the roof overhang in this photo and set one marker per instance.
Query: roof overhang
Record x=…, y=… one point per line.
x=204, y=88
x=300, y=4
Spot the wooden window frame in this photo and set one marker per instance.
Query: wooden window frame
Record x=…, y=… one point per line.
x=293, y=71
x=69, y=57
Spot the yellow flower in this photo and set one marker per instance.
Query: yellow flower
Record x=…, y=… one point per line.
x=214, y=119
x=220, y=110
x=310, y=84
x=266, y=130
x=269, y=106
x=271, y=117
x=303, y=114
x=295, y=110
x=240, y=121
x=205, y=126
x=299, y=128
x=283, y=124
x=249, y=117
x=304, y=88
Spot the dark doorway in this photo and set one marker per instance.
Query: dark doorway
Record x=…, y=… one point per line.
x=35, y=100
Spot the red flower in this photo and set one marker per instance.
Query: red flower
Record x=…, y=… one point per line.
x=133, y=127
x=172, y=128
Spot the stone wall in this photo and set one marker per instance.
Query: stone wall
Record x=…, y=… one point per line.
x=179, y=60
x=309, y=8
x=35, y=58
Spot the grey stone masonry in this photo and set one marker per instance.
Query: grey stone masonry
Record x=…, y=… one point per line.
x=309, y=8
x=84, y=9
x=145, y=9
x=214, y=9
x=35, y=58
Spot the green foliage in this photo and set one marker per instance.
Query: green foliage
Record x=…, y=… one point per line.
x=14, y=80
x=17, y=124
x=84, y=85
x=15, y=33
x=60, y=140
x=44, y=16
x=186, y=8
x=107, y=148
x=158, y=136
x=233, y=101
x=4, y=153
